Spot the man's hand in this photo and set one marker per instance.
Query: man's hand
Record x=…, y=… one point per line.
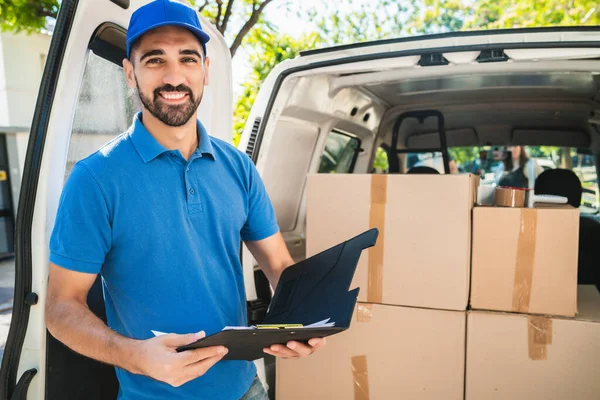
x=295, y=349
x=159, y=359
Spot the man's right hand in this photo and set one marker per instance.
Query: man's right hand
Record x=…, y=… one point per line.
x=159, y=359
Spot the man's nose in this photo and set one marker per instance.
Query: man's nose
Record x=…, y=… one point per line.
x=174, y=75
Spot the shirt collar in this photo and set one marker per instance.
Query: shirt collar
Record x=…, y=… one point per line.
x=205, y=147
x=149, y=148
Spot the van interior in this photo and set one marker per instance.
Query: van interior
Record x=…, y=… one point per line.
x=388, y=118
x=418, y=114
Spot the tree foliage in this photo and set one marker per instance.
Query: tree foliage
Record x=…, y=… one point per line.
x=267, y=50
x=433, y=16
x=235, y=19
x=357, y=21
x=243, y=15
x=26, y=15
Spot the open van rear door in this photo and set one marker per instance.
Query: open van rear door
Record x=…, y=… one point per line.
x=83, y=102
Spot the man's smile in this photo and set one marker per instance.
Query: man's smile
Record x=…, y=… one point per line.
x=173, y=96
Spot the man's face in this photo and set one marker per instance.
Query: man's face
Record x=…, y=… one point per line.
x=169, y=70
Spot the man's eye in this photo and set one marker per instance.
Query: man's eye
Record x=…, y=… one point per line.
x=154, y=61
x=189, y=60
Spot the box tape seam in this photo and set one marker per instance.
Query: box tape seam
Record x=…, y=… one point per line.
x=364, y=313
x=525, y=260
x=539, y=336
x=377, y=220
x=360, y=377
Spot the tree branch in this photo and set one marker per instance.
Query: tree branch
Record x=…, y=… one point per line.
x=203, y=6
x=49, y=14
x=248, y=25
x=228, y=12
x=219, y=13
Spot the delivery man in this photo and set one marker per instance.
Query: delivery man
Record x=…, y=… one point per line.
x=159, y=212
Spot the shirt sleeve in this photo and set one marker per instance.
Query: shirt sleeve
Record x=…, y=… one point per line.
x=261, y=222
x=81, y=237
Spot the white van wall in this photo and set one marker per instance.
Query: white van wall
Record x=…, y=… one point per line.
x=294, y=140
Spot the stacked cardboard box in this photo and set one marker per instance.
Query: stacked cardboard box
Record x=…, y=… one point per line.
x=389, y=352
x=407, y=338
x=527, y=345
x=525, y=260
x=412, y=336
x=531, y=357
x=423, y=253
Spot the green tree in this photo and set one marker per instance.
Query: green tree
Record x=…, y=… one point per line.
x=26, y=15
x=381, y=163
x=268, y=50
x=464, y=155
x=433, y=16
x=245, y=15
x=356, y=21
x=235, y=19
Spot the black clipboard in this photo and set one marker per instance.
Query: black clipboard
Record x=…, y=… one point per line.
x=312, y=290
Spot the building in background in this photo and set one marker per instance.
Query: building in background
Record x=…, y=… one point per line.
x=22, y=59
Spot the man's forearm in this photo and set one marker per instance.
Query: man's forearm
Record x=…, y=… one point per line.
x=277, y=270
x=77, y=327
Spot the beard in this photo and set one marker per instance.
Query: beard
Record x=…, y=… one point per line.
x=171, y=114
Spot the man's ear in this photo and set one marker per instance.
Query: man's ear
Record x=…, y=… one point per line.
x=129, y=75
x=206, y=70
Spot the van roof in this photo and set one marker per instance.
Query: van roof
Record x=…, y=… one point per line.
x=448, y=35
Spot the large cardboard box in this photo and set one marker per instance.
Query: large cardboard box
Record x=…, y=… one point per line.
x=526, y=357
x=389, y=352
x=423, y=254
x=525, y=260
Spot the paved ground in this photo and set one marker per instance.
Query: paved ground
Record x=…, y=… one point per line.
x=7, y=282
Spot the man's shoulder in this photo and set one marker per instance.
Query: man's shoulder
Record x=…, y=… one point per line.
x=229, y=151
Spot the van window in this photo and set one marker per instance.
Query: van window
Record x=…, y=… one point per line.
x=104, y=92
x=340, y=153
x=432, y=159
x=488, y=162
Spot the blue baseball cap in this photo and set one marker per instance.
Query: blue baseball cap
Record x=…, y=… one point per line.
x=164, y=13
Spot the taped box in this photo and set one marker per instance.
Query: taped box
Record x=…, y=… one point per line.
x=389, y=352
x=525, y=260
x=423, y=255
x=531, y=357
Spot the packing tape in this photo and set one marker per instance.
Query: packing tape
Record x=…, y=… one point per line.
x=540, y=336
x=364, y=313
x=525, y=260
x=377, y=220
x=509, y=197
x=360, y=376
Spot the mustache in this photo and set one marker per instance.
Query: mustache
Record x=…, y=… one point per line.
x=170, y=88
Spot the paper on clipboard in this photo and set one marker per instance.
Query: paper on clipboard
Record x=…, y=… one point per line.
x=321, y=324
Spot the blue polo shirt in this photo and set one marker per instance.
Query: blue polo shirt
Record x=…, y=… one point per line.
x=165, y=233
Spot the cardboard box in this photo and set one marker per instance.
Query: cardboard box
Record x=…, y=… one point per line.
x=389, y=352
x=423, y=254
x=525, y=260
x=525, y=357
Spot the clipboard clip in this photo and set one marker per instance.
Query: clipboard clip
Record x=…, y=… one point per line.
x=279, y=326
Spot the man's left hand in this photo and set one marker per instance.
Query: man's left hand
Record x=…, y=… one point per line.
x=295, y=349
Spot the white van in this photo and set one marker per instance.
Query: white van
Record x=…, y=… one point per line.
x=328, y=110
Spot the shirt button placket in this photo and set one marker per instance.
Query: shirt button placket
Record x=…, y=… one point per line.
x=193, y=200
